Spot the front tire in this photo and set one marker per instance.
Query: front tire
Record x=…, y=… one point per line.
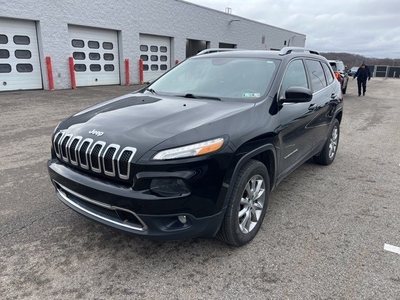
x=328, y=153
x=247, y=205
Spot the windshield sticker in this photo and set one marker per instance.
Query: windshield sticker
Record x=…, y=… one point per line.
x=251, y=95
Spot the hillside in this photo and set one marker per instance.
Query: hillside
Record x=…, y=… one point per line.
x=355, y=60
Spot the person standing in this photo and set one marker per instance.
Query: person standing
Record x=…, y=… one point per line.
x=362, y=75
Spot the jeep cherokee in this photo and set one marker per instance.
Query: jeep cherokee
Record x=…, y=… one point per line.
x=197, y=152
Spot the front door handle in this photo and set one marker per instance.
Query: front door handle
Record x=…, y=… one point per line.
x=333, y=96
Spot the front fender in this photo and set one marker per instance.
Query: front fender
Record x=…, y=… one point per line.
x=256, y=153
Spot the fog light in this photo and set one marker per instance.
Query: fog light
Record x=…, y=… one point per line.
x=182, y=219
x=168, y=187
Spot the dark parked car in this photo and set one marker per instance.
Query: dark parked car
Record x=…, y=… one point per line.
x=198, y=151
x=353, y=71
x=340, y=73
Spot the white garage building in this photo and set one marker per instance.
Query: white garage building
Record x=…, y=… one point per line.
x=46, y=44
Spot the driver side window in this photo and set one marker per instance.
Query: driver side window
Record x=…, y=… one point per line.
x=295, y=76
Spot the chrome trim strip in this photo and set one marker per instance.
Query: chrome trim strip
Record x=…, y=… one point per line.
x=65, y=149
x=85, y=166
x=110, y=207
x=57, y=146
x=112, y=160
x=75, y=162
x=97, y=170
x=291, y=153
x=123, y=176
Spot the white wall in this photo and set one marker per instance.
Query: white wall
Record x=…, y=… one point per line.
x=173, y=18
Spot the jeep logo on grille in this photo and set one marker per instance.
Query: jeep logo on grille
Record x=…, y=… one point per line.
x=96, y=132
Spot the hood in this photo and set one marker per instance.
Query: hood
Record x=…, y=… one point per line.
x=143, y=122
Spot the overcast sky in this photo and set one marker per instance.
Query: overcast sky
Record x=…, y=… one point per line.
x=369, y=27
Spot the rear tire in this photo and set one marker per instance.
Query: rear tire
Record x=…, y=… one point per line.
x=328, y=153
x=247, y=205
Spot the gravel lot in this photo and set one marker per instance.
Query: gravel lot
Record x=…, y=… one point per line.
x=323, y=236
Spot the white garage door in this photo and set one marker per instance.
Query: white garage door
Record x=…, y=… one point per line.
x=95, y=53
x=155, y=51
x=19, y=56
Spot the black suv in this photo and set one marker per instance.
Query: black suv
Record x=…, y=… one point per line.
x=197, y=152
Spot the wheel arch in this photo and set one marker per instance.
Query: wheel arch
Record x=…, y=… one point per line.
x=339, y=116
x=265, y=154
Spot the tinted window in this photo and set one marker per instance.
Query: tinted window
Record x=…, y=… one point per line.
x=144, y=48
x=163, y=49
x=3, y=39
x=154, y=58
x=79, y=55
x=93, y=45
x=21, y=40
x=144, y=57
x=95, y=68
x=94, y=56
x=145, y=67
x=108, y=67
x=317, y=75
x=78, y=43
x=108, y=45
x=163, y=58
x=5, y=68
x=24, y=68
x=4, y=53
x=153, y=48
x=108, y=56
x=23, y=54
x=295, y=76
x=328, y=73
x=80, y=68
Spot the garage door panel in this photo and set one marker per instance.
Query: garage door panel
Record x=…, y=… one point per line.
x=95, y=53
x=155, y=51
x=19, y=56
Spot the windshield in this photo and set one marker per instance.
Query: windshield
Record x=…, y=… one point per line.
x=218, y=78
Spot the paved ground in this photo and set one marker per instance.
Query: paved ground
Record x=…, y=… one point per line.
x=323, y=237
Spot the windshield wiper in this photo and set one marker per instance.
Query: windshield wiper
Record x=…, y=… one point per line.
x=151, y=91
x=199, y=97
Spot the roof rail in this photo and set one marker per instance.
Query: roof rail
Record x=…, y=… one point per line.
x=213, y=50
x=287, y=50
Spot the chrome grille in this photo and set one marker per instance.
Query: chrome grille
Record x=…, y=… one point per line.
x=73, y=151
x=95, y=156
x=83, y=153
x=109, y=158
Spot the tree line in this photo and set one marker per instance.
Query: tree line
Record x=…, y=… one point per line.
x=355, y=60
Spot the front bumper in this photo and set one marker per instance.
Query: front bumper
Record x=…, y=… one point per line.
x=126, y=210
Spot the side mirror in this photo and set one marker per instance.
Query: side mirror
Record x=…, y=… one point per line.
x=296, y=94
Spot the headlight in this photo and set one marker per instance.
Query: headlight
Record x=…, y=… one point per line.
x=190, y=150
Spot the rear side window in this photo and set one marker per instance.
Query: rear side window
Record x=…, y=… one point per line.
x=328, y=73
x=317, y=75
